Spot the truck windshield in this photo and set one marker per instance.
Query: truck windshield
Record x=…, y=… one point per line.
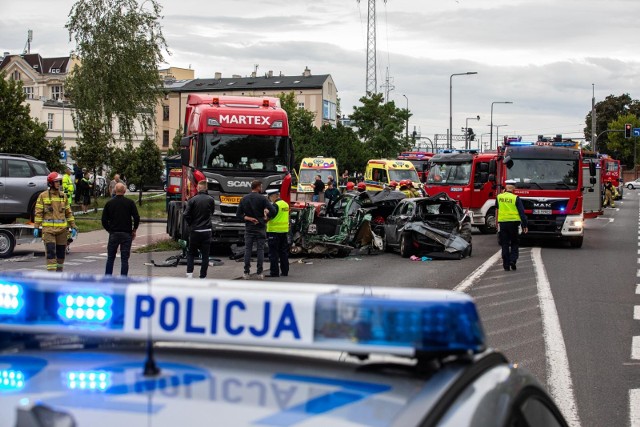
x=244, y=152
x=308, y=176
x=545, y=173
x=400, y=174
x=449, y=173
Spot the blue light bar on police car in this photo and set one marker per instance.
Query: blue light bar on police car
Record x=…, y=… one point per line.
x=354, y=319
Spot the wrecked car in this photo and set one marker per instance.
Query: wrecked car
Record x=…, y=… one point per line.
x=351, y=221
x=435, y=226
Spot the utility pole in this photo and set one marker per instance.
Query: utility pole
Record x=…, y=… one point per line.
x=594, y=138
x=371, y=81
x=387, y=86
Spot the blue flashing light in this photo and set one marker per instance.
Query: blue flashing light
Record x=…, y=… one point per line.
x=11, y=298
x=85, y=307
x=448, y=326
x=519, y=143
x=88, y=380
x=11, y=379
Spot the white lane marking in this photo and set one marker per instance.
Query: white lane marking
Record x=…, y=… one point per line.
x=638, y=273
x=636, y=312
x=638, y=289
x=558, y=372
x=634, y=407
x=70, y=263
x=635, y=348
x=478, y=272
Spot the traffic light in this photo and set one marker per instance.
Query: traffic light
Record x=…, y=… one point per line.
x=627, y=130
x=470, y=134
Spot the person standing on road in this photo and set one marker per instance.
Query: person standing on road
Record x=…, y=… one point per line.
x=121, y=220
x=510, y=217
x=84, y=192
x=331, y=193
x=198, y=214
x=52, y=217
x=252, y=210
x=278, y=236
x=78, y=173
x=609, y=195
x=67, y=185
x=318, y=189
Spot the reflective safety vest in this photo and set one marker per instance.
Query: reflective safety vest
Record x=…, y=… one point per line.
x=507, y=209
x=279, y=223
x=68, y=187
x=52, y=210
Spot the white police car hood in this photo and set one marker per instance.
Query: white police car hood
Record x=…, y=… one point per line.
x=221, y=388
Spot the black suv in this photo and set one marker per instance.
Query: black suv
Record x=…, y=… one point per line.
x=22, y=178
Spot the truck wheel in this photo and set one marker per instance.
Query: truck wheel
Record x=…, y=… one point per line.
x=489, y=222
x=7, y=244
x=576, y=242
x=406, y=245
x=170, y=220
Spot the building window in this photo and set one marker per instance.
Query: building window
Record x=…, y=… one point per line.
x=301, y=105
x=165, y=112
x=28, y=92
x=165, y=138
x=50, y=121
x=56, y=92
x=15, y=75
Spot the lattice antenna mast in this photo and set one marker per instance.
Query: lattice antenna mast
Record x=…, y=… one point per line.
x=372, y=83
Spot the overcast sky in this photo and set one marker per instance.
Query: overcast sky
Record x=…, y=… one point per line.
x=543, y=55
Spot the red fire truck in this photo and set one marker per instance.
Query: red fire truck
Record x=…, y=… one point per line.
x=549, y=180
x=611, y=172
x=420, y=160
x=231, y=141
x=464, y=176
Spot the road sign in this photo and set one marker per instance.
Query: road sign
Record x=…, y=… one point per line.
x=636, y=131
x=63, y=155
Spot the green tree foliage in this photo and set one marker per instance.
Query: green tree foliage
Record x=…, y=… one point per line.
x=301, y=128
x=381, y=126
x=19, y=133
x=620, y=147
x=119, y=44
x=145, y=165
x=92, y=150
x=343, y=144
x=607, y=112
x=175, y=143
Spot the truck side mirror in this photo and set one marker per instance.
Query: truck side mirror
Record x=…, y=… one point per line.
x=592, y=180
x=184, y=150
x=425, y=167
x=592, y=169
x=493, y=168
x=508, y=162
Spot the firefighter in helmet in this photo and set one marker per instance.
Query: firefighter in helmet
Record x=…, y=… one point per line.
x=362, y=187
x=413, y=190
x=609, y=195
x=404, y=188
x=53, y=217
x=393, y=185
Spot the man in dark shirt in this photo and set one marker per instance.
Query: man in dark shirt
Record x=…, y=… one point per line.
x=198, y=215
x=318, y=189
x=116, y=219
x=253, y=209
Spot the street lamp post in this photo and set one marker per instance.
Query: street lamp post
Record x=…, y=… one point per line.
x=407, y=125
x=498, y=134
x=491, y=131
x=451, y=103
x=467, y=143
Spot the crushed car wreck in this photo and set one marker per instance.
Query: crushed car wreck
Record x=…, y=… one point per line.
x=352, y=221
x=435, y=226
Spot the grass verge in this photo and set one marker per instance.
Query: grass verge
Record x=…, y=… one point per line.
x=161, y=246
x=151, y=208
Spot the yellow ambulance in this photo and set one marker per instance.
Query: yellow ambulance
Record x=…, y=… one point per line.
x=381, y=172
x=312, y=166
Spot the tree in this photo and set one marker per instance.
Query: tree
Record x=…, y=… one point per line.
x=92, y=150
x=343, y=144
x=381, y=126
x=119, y=44
x=19, y=133
x=175, y=144
x=145, y=165
x=608, y=111
x=301, y=128
x=617, y=143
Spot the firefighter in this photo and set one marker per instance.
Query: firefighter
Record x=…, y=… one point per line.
x=414, y=191
x=362, y=187
x=404, y=188
x=67, y=185
x=393, y=185
x=609, y=195
x=350, y=187
x=53, y=217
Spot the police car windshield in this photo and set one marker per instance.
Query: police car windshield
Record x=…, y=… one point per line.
x=449, y=173
x=308, y=176
x=244, y=152
x=400, y=174
x=561, y=174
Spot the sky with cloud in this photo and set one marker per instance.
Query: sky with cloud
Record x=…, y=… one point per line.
x=542, y=55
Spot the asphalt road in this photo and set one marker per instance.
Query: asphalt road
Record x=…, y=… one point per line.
x=568, y=315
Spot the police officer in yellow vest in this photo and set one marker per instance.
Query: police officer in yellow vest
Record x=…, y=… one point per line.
x=278, y=236
x=510, y=216
x=52, y=218
x=67, y=185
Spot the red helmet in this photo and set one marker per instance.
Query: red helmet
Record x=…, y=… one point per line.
x=52, y=177
x=393, y=184
x=403, y=182
x=362, y=186
x=350, y=185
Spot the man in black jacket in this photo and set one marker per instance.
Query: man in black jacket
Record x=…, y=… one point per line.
x=117, y=220
x=198, y=215
x=254, y=209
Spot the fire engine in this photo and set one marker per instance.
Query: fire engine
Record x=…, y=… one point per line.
x=420, y=160
x=611, y=172
x=549, y=180
x=231, y=141
x=465, y=176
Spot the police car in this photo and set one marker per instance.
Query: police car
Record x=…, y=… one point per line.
x=104, y=351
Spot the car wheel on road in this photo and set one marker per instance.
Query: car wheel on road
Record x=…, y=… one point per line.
x=7, y=244
x=631, y=187
x=406, y=245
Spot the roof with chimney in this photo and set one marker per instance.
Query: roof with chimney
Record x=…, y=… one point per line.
x=41, y=65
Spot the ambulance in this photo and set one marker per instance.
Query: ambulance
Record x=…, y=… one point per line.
x=312, y=166
x=381, y=172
